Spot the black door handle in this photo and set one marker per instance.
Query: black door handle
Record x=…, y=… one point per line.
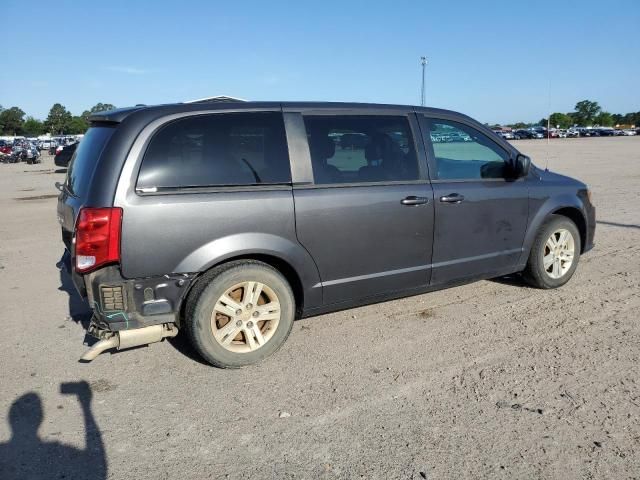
x=413, y=200
x=452, y=198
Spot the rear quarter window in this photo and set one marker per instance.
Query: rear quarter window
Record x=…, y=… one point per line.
x=84, y=160
x=223, y=149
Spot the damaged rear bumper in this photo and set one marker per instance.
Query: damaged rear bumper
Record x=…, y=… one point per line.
x=124, y=304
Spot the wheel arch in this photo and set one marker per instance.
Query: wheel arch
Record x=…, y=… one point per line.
x=277, y=262
x=577, y=217
x=568, y=206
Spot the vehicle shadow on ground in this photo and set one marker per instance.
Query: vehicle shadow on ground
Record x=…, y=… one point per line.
x=26, y=455
x=514, y=280
x=614, y=224
x=79, y=310
x=60, y=170
x=181, y=344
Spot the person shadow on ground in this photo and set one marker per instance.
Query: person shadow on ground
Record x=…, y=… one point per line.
x=26, y=456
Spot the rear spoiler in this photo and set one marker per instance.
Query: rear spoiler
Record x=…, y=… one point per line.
x=114, y=116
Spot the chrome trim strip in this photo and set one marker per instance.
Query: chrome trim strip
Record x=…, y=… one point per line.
x=374, y=275
x=477, y=257
x=447, y=263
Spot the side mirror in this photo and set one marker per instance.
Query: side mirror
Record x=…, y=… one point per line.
x=522, y=166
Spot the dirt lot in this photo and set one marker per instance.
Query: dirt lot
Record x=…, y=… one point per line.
x=489, y=380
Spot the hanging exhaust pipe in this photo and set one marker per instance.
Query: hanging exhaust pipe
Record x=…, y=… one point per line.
x=130, y=338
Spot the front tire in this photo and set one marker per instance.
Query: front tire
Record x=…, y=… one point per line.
x=554, y=255
x=239, y=313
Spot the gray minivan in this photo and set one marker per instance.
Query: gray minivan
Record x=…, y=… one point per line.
x=230, y=220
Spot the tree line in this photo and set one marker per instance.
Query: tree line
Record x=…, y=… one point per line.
x=59, y=121
x=586, y=113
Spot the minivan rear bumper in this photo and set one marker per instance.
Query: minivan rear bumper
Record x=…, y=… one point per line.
x=124, y=304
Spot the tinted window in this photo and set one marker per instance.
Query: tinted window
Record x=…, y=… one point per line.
x=347, y=149
x=462, y=152
x=83, y=161
x=217, y=150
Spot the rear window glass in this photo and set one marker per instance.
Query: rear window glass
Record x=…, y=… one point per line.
x=83, y=161
x=226, y=149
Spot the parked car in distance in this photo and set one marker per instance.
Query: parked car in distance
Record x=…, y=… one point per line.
x=31, y=154
x=45, y=144
x=5, y=151
x=63, y=157
x=230, y=220
x=5, y=147
x=606, y=132
x=524, y=134
x=506, y=134
x=24, y=151
x=628, y=132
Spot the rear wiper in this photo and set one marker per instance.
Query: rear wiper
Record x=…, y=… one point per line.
x=63, y=187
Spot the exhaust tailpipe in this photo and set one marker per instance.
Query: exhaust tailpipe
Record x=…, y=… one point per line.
x=130, y=338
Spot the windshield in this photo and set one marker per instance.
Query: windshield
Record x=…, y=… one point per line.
x=83, y=161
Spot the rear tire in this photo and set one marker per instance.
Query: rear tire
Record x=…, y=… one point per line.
x=239, y=313
x=554, y=254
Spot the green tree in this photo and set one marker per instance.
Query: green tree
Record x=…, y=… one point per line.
x=11, y=121
x=33, y=127
x=560, y=120
x=604, y=119
x=77, y=125
x=628, y=119
x=58, y=119
x=586, y=112
x=99, y=107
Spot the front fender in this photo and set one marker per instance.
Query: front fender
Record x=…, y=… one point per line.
x=248, y=244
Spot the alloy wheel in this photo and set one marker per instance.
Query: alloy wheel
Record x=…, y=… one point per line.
x=245, y=317
x=559, y=252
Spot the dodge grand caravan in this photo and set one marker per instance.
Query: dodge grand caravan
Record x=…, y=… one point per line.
x=230, y=220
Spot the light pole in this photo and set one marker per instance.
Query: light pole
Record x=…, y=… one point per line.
x=423, y=62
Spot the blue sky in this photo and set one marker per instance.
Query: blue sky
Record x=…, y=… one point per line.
x=492, y=60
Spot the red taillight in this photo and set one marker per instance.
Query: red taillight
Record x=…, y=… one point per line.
x=97, y=238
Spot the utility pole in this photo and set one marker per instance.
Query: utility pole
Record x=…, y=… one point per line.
x=423, y=62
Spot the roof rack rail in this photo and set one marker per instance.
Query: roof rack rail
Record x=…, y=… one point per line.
x=218, y=98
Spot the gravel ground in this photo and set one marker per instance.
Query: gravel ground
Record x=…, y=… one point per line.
x=488, y=380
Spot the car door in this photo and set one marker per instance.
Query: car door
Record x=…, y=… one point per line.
x=480, y=213
x=364, y=207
